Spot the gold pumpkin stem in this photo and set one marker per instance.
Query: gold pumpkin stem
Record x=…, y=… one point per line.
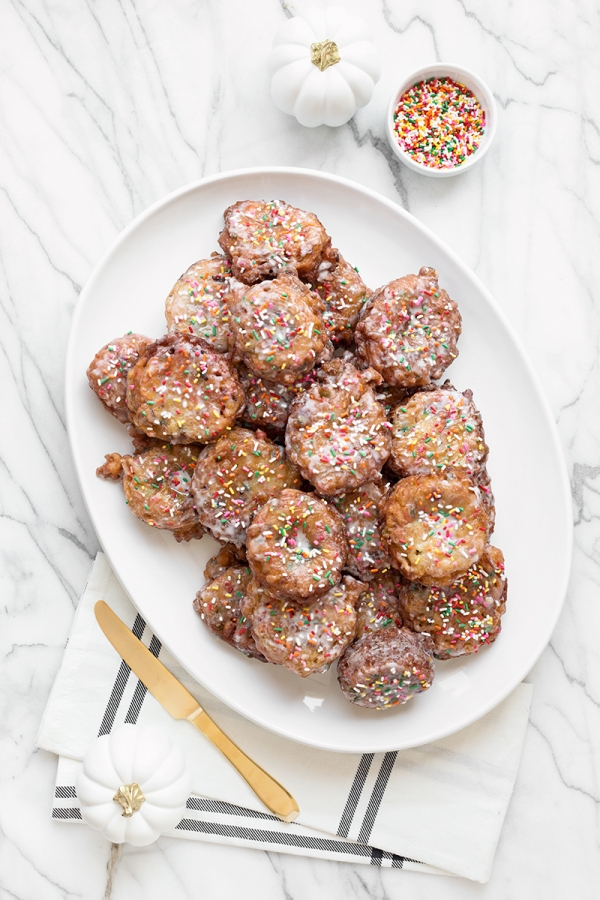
x=130, y=797
x=324, y=54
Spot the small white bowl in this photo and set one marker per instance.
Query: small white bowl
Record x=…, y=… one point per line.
x=474, y=84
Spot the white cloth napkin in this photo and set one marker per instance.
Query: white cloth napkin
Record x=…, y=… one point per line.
x=434, y=808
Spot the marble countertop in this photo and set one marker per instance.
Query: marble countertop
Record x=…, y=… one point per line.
x=104, y=108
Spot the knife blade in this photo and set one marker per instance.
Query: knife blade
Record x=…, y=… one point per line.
x=178, y=701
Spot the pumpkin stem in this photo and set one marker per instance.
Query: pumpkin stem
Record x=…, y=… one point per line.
x=130, y=797
x=324, y=54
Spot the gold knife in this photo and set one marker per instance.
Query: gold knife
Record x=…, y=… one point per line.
x=178, y=701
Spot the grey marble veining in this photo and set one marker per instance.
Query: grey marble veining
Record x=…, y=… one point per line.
x=104, y=108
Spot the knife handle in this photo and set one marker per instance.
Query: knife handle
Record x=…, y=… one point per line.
x=273, y=795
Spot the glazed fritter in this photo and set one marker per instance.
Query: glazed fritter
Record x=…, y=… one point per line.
x=386, y=667
x=379, y=605
x=278, y=331
x=359, y=510
x=183, y=391
x=157, y=485
x=435, y=430
x=464, y=616
x=219, y=605
x=305, y=636
x=296, y=545
x=269, y=239
x=344, y=295
x=434, y=528
x=107, y=372
x=234, y=477
x=409, y=330
x=198, y=302
x=337, y=432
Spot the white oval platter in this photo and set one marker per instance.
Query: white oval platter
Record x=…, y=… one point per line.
x=534, y=516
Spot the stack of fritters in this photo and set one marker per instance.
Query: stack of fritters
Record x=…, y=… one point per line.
x=295, y=416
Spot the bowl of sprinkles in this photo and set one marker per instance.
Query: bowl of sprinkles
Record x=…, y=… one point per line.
x=441, y=120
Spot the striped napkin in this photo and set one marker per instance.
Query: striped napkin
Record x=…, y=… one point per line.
x=437, y=808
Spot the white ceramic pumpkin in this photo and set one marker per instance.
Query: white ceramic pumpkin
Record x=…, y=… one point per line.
x=134, y=785
x=323, y=66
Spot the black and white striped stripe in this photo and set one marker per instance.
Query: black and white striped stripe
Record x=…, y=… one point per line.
x=140, y=689
x=64, y=792
x=377, y=796
x=203, y=804
x=60, y=812
x=355, y=794
x=278, y=838
x=120, y=684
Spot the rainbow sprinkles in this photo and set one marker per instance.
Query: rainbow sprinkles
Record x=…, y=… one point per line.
x=439, y=123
